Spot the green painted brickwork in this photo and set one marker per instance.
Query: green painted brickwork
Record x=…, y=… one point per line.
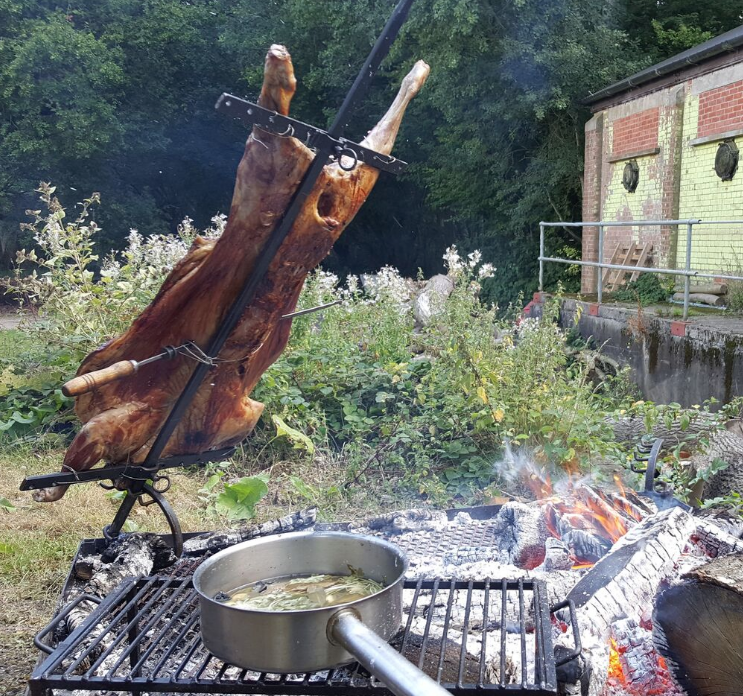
x=644, y=203
x=703, y=195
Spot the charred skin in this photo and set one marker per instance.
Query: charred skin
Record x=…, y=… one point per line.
x=122, y=419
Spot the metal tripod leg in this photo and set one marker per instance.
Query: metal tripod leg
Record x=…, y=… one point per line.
x=113, y=530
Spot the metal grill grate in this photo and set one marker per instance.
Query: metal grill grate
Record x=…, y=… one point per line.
x=492, y=636
x=446, y=544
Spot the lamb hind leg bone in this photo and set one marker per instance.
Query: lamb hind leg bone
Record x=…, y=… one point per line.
x=200, y=290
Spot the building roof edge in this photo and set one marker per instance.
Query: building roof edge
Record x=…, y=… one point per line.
x=724, y=43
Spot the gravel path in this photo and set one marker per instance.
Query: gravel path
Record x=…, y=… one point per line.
x=9, y=318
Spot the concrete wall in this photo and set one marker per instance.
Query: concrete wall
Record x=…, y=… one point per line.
x=705, y=361
x=673, y=135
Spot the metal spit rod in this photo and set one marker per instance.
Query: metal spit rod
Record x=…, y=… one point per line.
x=126, y=368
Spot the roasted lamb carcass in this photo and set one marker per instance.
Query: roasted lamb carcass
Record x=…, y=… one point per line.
x=121, y=419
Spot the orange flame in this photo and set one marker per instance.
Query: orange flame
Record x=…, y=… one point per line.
x=657, y=682
x=585, y=508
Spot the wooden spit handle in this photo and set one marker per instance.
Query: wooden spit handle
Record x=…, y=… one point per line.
x=92, y=380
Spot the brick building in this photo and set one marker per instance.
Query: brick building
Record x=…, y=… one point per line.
x=662, y=131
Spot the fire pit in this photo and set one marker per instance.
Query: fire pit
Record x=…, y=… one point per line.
x=464, y=624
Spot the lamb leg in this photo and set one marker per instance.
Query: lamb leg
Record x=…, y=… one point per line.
x=122, y=418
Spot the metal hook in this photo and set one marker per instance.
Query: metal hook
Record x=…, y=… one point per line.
x=289, y=131
x=339, y=153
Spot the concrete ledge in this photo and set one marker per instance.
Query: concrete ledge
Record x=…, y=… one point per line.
x=632, y=155
x=714, y=138
x=670, y=360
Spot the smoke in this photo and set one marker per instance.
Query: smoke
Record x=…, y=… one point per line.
x=519, y=469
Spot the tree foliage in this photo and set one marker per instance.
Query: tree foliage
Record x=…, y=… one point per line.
x=117, y=96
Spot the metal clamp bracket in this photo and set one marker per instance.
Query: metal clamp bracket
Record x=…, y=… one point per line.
x=315, y=138
x=132, y=472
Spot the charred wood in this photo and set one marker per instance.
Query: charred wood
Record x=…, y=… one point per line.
x=627, y=578
x=585, y=546
x=556, y=556
x=724, y=518
x=715, y=541
x=523, y=531
x=217, y=541
x=403, y=521
x=132, y=555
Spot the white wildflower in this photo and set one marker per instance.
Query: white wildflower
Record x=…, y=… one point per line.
x=474, y=258
x=352, y=285
x=351, y=292
x=528, y=325
x=326, y=281
x=487, y=270
x=215, y=231
x=453, y=261
x=219, y=222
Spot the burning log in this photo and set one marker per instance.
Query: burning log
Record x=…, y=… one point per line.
x=403, y=521
x=715, y=541
x=522, y=530
x=635, y=668
x=217, y=541
x=625, y=580
x=132, y=555
x=699, y=628
x=122, y=418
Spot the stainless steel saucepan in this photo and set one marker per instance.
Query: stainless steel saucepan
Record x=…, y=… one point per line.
x=308, y=640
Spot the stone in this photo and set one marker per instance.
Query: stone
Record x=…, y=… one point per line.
x=431, y=299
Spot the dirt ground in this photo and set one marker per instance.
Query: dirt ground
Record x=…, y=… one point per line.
x=9, y=319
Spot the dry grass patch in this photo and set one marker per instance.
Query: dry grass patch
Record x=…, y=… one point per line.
x=39, y=540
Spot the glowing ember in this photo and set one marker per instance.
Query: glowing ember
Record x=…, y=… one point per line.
x=616, y=672
x=635, y=668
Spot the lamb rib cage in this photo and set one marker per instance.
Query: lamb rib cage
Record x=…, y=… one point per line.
x=147, y=639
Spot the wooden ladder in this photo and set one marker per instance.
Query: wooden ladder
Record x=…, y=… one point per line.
x=633, y=255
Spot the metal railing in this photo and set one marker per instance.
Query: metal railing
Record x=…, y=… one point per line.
x=687, y=272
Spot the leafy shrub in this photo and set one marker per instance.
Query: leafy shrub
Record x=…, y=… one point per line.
x=431, y=410
x=648, y=289
x=735, y=296
x=80, y=308
x=438, y=405
x=76, y=308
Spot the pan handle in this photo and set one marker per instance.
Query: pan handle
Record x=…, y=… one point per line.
x=399, y=675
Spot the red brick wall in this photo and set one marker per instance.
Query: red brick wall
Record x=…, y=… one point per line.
x=636, y=132
x=720, y=109
x=591, y=200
